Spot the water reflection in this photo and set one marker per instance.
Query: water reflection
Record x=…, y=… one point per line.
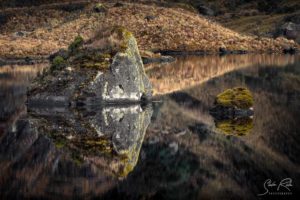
x=110, y=137
x=235, y=156
x=193, y=70
x=236, y=127
x=58, y=151
x=184, y=153
x=14, y=80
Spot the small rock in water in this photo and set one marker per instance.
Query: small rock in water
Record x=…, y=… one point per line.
x=233, y=111
x=233, y=103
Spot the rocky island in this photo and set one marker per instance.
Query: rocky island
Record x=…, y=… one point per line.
x=106, y=69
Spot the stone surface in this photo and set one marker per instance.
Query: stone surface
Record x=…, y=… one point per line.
x=103, y=70
x=233, y=103
x=289, y=30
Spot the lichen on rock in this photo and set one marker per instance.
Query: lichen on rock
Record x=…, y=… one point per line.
x=104, y=69
x=238, y=97
x=232, y=104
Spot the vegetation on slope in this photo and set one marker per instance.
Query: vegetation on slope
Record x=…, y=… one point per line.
x=48, y=28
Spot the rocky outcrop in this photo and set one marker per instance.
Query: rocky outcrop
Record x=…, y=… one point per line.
x=233, y=103
x=289, y=30
x=103, y=70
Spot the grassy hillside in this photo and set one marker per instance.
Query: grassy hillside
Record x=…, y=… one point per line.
x=258, y=17
x=50, y=27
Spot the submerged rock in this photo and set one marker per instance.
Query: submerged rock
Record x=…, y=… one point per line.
x=105, y=69
x=233, y=103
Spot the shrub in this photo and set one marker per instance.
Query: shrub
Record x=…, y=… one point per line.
x=58, y=63
x=78, y=41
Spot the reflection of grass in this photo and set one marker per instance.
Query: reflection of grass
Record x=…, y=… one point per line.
x=237, y=97
x=237, y=127
x=290, y=82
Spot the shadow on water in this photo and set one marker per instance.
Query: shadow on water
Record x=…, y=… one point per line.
x=184, y=153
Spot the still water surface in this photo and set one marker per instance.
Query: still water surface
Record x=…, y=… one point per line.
x=172, y=149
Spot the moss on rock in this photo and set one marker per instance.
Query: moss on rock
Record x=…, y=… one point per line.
x=238, y=97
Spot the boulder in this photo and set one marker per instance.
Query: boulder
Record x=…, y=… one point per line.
x=106, y=69
x=233, y=103
x=289, y=30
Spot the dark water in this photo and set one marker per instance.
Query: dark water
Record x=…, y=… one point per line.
x=172, y=149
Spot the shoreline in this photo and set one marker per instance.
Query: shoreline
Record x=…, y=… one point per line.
x=31, y=60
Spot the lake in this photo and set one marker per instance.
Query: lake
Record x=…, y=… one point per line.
x=170, y=149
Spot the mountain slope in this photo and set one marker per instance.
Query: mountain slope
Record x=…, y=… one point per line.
x=50, y=27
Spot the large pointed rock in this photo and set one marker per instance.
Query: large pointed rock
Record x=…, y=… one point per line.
x=105, y=69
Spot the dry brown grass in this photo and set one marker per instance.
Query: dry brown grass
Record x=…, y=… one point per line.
x=172, y=29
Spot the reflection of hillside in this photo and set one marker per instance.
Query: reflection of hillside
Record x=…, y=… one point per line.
x=11, y=75
x=227, y=163
x=185, y=73
x=14, y=80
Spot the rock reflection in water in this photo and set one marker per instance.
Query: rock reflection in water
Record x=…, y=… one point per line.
x=115, y=133
x=59, y=150
x=235, y=167
x=236, y=127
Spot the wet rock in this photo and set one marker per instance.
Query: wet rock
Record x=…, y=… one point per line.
x=107, y=69
x=233, y=103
